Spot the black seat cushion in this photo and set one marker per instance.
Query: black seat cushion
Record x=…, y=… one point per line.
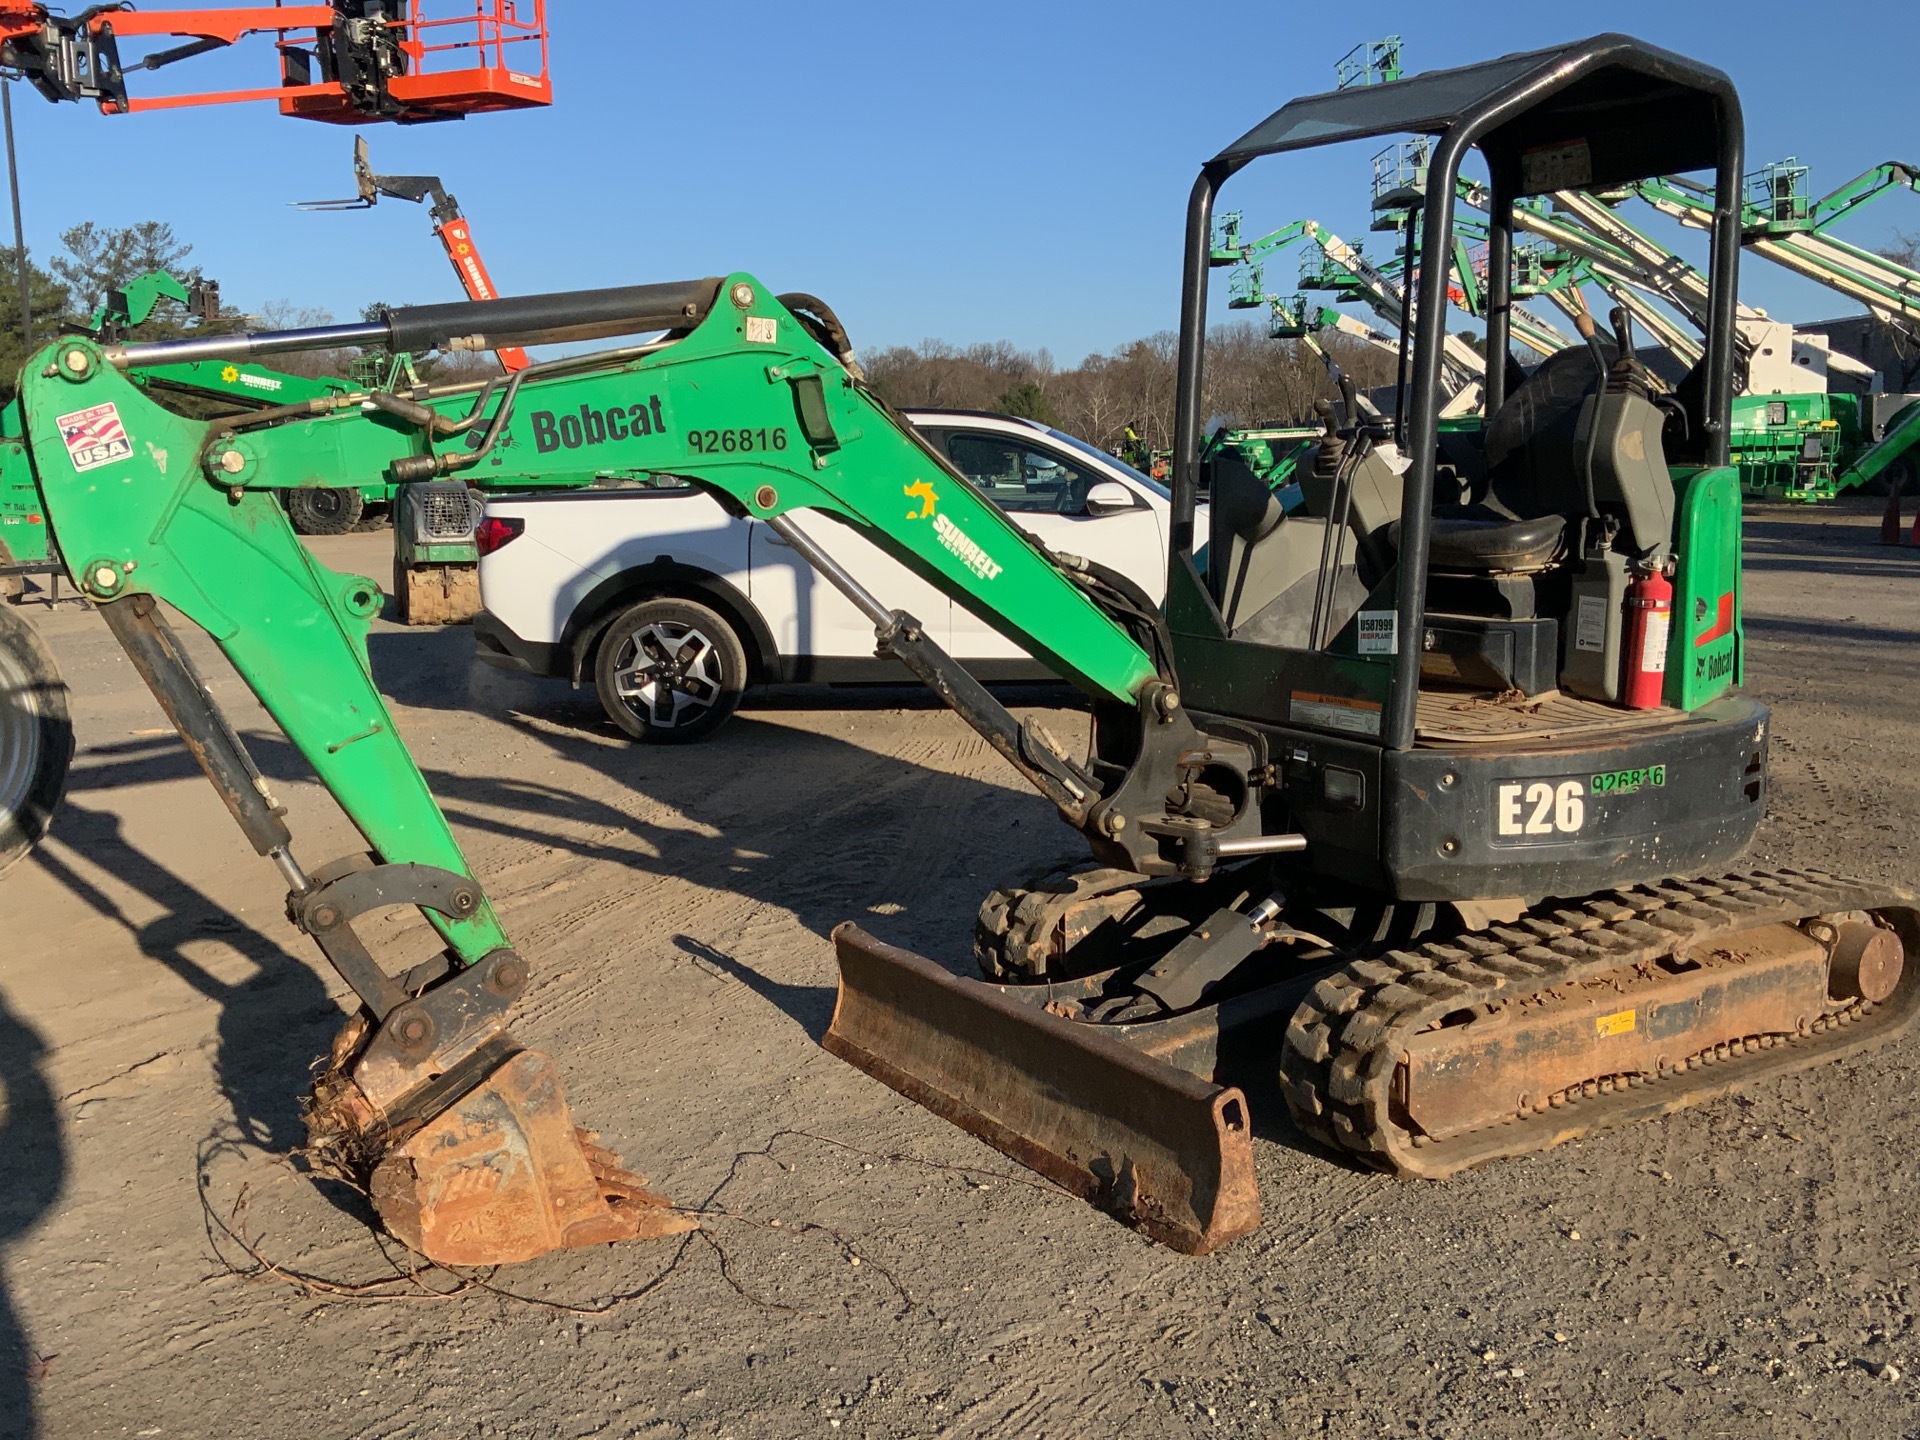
x=1534, y=466
x=1483, y=543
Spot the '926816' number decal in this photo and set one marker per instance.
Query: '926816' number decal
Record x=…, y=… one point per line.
x=735, y=442
x=1626, y=782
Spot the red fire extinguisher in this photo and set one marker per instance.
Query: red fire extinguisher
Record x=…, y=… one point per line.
x=1649, y=620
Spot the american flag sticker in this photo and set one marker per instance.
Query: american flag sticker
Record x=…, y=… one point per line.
x=95, y=436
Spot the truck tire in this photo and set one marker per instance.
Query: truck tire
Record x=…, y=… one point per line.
x=36, y=738
x=669, y=671
x=325, y=510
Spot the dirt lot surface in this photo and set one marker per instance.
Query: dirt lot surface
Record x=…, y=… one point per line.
x=1747, y=1268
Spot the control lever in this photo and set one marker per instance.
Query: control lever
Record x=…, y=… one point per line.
x=1583, y=324
x=1622, y=331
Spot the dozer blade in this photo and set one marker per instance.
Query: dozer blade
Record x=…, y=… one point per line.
x=501, y=1174
x=1163, y=1150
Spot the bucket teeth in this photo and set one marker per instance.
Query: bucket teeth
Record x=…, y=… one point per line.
x=502, y=1174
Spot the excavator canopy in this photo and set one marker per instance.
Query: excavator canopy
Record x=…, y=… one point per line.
x=1636, y=108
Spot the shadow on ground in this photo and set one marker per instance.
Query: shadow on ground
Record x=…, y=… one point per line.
x=271, y=1024
x=33, y=1163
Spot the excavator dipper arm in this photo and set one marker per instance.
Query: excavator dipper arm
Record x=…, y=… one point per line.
x=462, y=1136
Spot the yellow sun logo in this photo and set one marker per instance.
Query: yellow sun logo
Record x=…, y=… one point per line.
x=230, y=374
x=923, y=492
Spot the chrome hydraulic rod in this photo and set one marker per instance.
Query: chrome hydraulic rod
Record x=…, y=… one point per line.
x=244, y=346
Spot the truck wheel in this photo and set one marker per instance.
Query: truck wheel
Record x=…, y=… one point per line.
x=36, y=738
x=670, y=671
x=324, y=510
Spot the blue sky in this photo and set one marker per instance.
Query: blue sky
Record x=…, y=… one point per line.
x=979, y=172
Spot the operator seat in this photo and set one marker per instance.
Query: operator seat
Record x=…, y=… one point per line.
x=1533, y=482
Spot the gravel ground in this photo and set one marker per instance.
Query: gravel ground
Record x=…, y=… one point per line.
x=1745, y=1268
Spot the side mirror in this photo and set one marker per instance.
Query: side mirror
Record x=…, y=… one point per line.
x=1109, y=497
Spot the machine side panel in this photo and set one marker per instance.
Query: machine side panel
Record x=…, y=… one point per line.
x=1704, y=644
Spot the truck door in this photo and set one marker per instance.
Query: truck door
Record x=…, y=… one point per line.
x=809, y=617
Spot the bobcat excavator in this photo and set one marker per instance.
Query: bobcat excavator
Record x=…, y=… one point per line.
x=1387, y=803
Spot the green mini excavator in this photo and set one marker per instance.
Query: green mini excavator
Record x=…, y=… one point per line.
x=1395, y=802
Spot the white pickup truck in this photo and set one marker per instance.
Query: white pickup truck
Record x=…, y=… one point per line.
x=675, y=608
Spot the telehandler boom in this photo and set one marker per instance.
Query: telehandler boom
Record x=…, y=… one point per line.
x=1344, y=792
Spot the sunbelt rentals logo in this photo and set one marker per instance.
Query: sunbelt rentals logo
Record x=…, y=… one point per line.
x=964, y=549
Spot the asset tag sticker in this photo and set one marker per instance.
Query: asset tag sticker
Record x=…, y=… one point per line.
x=762, y=330
x=1590, y=633
x=1379, y=632
x=1618, y=1023
x=95, y=436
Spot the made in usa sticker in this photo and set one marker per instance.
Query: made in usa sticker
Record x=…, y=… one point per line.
x=94, y=436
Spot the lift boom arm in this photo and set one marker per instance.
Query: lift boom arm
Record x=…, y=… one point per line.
x=347, y=61
x=450, y=227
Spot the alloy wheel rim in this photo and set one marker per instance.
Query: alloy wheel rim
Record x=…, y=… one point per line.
x=668, y=674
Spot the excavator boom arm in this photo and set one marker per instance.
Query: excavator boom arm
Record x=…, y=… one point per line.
x=747, y=403
x=462, y=1138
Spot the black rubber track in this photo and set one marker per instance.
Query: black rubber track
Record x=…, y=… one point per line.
x=1344, y=1042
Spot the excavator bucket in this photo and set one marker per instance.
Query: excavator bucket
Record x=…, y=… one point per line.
x=500, y=1175
x=1162, y=1149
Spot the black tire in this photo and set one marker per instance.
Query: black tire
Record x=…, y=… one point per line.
x=36, y=738
x=325, y=510
x=401, y=592
x=690, y=650
x=1901, y=477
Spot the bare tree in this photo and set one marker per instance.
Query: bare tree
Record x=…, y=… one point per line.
x=1250, y=380
x=1902, y=340
x=286, y=315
